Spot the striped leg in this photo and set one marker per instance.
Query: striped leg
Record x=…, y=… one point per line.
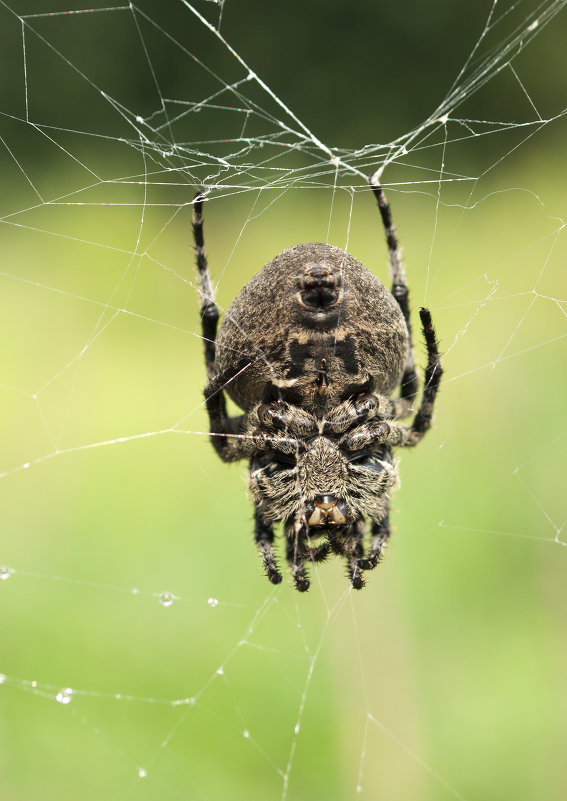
x=264, y=536
x=209, y=311
x=408, y=436
x=409, y=385
x=221, y=426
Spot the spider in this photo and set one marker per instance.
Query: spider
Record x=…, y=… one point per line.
x=311, y=350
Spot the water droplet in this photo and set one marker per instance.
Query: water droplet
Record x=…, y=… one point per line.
x=213, y=602
x=220, y=671
x=2, y=678
x=166, y=598
x=183, y=702
x=134, y=591
x=5, y=572
x=139, y=119
x=25, y=465
x=358, y=788
x=297, y=728
x=246, y=734
x=34, y=684
x=142, y=773
x=64, y=696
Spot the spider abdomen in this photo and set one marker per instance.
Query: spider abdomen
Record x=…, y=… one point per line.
x=313, y=320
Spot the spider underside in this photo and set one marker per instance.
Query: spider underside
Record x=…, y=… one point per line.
x=312, y=349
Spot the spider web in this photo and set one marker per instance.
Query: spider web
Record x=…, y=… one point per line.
x=144, y=654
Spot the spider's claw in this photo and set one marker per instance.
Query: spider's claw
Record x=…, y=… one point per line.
x=358, y=583
x=266, y=550
x=355, y=574
x=274, y=576
x=300, y=579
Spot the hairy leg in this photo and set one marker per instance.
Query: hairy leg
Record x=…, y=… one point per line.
x=409, y=383
x=408, y=436
x=264, y=537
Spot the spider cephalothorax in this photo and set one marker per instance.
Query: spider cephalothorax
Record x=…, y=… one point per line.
x=291, y=469
x=311, y=350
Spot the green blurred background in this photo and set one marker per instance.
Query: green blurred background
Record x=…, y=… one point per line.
x=445, y=677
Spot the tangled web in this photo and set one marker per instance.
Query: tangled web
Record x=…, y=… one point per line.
x=144, y=654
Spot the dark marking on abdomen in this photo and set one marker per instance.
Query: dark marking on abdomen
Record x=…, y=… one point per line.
x=298, y=354
x=345, y=349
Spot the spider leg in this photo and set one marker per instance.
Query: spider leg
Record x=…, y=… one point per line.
x=320, y=552
x=296, y=553
x=409, y=383
x=394, y=409
x=401, y=435
x=354, y=552
x=220, y=424
x=264, y=537
x=209, y=311
x=433, y=373
x=380, y=537
x=225, y=431
x=347, y=542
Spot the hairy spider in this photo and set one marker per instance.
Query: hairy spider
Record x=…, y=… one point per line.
x=312, y=349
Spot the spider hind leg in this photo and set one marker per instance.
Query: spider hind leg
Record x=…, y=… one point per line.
x=409, y=385
x=209, y=311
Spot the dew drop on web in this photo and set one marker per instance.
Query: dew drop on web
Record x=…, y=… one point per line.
x=166, y=599
x=64, y=696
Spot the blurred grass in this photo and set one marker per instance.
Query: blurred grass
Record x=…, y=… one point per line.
x=448, y=669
